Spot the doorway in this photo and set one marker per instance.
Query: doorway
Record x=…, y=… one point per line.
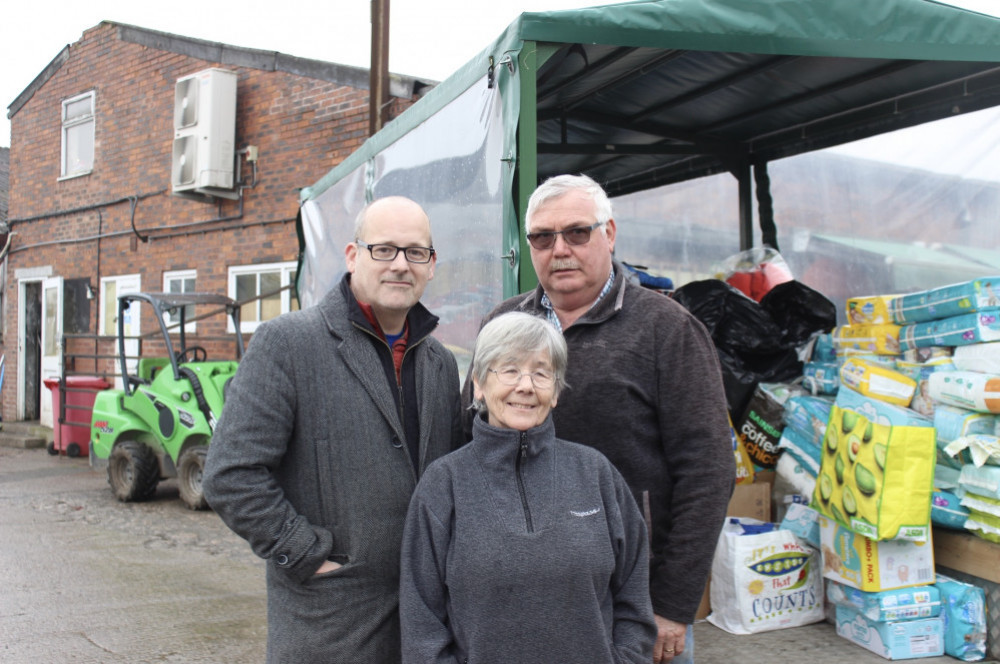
x=29, y=396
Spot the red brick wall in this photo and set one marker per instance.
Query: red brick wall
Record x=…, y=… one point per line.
x=302, y=127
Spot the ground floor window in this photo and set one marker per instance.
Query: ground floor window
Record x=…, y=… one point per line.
x=180, y=281
x=265, y=290
x=111, y=288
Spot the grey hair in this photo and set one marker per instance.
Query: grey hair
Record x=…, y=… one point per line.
x=513, y=336
x=560, y=185
x=360, y=219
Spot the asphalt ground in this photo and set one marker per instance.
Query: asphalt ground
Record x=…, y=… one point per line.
x=84, y=578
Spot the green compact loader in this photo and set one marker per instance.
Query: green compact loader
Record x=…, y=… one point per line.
x=159, y=425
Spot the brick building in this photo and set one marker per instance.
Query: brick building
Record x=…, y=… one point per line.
x=99, y=203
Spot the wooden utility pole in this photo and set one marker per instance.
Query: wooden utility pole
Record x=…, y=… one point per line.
x=378, y=86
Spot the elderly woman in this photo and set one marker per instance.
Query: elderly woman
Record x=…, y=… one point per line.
x=521, y=547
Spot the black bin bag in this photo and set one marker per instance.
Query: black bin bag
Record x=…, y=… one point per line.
x=756, y=343
x=799, y=311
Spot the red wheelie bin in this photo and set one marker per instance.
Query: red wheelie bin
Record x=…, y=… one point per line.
x=71, y=428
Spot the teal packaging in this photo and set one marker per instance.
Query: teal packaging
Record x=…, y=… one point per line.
x=946, y=301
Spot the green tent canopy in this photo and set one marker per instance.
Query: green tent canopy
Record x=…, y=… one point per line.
x=644, y=94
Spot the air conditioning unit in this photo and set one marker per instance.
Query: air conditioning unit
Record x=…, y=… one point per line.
x=204, y=155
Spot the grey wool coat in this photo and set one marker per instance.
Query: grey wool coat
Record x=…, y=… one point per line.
x=308, y=464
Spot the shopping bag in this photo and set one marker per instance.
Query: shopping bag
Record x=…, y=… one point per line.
x=876, y=478
x=764, y=579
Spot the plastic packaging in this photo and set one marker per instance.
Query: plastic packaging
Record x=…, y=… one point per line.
x=748, y=342
x=982, y=357
x=882, y=339
x=946, y=301
x=878, y=382
x=808, y=416
x=870, y=310
x=966, y=389
x=964, y=619
x=755, y=271
x=897, y=604
x=947, y=510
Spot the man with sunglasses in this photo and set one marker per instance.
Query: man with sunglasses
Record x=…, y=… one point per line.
x=331, y=419
x=643, y=386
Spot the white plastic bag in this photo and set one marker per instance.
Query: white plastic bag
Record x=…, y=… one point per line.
x=764, y=581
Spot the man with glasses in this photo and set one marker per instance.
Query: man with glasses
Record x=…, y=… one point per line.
x=331, y=419
x=643, y=386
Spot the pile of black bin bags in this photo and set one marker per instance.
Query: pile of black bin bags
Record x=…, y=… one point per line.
x=757, y=342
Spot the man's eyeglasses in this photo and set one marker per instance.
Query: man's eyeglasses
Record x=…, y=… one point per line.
x=511, y=376
x=577, y=235
x=388, y=252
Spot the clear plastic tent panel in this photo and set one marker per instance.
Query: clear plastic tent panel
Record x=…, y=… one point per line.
x=892, y=214
x=328, y=226
x=458, y=182
x=895, y=213
x=679, y=231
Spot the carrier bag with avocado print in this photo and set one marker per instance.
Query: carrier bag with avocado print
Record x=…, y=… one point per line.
x=876, y=478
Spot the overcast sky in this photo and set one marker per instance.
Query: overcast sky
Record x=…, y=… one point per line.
x=427, y=38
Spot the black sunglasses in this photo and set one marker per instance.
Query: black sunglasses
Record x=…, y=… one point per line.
x=577, y=235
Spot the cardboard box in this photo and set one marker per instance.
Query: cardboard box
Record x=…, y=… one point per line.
x=749, y=500
x=870, y=565
x=905, y=639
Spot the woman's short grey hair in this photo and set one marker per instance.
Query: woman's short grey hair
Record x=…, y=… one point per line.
x=560, y=185
x=513, y=337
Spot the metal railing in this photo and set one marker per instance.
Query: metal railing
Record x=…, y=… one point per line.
x=96, y=356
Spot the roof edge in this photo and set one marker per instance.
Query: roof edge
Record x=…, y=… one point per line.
x=356, y=77
x=400, y=86
x=39, y=81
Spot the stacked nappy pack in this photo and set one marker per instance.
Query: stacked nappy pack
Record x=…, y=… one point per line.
x=895, y=426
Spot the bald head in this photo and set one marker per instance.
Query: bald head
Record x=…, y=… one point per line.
x=398, y=207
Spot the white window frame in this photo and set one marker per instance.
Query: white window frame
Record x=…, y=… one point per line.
x=123, y=283
x=65, y=169
x=182, y=277
x=287, y=271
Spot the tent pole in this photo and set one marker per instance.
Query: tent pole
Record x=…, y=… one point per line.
x=765, y=206
x=742, y=173
x=527, y=158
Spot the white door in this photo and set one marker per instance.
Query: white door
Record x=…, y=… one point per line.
x=52, y=329
x=111, y=288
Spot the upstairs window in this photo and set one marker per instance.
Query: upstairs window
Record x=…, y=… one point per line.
x=78, y=135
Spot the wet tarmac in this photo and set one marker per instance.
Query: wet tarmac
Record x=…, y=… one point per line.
x=86, y=579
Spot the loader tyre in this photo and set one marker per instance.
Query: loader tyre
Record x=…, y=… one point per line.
x=133, y=471
x=190, y=469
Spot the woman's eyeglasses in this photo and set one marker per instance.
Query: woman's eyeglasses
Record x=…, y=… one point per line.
x=576, y=236
x=511, y=376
